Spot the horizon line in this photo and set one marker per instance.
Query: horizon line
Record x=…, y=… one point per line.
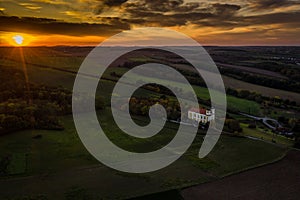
x=49, y=46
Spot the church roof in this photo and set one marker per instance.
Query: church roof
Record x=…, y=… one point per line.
x=201, y=110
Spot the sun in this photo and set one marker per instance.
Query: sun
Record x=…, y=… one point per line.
x=18, y=39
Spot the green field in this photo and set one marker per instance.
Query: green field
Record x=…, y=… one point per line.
x=49, y=154
x=59, y=151
x=55, y=150
x=266, y=135
x=235, y=154
x=266, y=91
x=49, y=73
x=233, y=103
x=57, y=78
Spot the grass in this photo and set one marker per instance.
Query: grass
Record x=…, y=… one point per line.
x=235, y=103
x=265, y=91
x=57, y=59
x=266, y=135
x=232, y=154
x=62, y=151
x=56, y=150
x=17, y=164
x=54, y=77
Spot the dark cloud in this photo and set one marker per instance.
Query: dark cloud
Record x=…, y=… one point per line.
x=285, y=20
x=160, y=13
x=176, y=12
x=160, y=6
x=222, y=15
x=106, y=4
x=52, y=26
x=271, y=4
x=225, y=10
x=225, y=16
x=114, y=2
x=273, y=18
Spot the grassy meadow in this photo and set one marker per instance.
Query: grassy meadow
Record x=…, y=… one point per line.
x=48, y=153
x=56, y=152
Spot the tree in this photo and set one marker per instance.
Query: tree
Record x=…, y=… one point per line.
x=144, y=110
x=243, y=93
x=233, y=125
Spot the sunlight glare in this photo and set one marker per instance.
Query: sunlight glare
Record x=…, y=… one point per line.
x=18, y=39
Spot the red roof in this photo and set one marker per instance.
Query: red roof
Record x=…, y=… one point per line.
x=201, y=110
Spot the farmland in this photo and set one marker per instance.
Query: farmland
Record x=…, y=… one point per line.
x=39, y=159
x=58, y=152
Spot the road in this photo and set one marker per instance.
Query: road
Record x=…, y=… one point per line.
x=266, y=121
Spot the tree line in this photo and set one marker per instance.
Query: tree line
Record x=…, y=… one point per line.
x=140, y=106
x=31, y=106
x=272, y=82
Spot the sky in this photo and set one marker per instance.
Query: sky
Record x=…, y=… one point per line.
x=210, y=22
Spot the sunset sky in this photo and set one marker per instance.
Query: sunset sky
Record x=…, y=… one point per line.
x=210, y=22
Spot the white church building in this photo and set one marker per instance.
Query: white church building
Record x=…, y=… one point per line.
x=201, y=115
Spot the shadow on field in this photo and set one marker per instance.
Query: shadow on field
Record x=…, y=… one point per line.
x=280, y=180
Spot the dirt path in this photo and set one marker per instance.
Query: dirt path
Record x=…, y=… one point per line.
x=280, y=180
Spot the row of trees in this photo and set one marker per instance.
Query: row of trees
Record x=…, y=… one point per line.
x=283, y=84
x=141, y=106
x=287, y=69
x=194, y=79
x=38, y=112
x=232, y=125
x=291, y=84
x=37, y=108
x=259, y=98
x=26, y=105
